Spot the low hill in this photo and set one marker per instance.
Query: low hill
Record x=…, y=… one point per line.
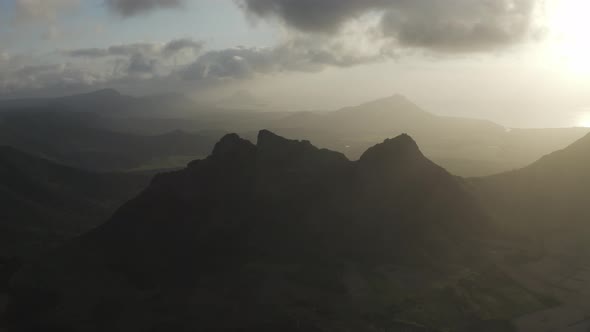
x=45, y=203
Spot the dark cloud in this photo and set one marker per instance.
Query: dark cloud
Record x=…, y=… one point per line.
x=178, y=45
x=325, y=16
x=134, y=7
x=142, y=65
x=88, y=53
x=128, y=50
x=132, y=49
x=449, y=25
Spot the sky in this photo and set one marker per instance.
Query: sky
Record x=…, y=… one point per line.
x=522, y=63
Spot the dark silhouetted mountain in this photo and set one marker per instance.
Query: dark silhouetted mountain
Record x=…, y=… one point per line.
x=43, y=203
x=280, y=236
x=71, y=140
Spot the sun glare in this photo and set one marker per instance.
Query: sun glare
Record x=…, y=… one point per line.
x=569, y=29
x=583, y=119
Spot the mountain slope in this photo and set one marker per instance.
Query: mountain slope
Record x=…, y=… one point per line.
x=280, y=236
x=547, y=199
x=44, y=203
x=62, y=138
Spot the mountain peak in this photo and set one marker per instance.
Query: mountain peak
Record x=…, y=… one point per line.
x=395, y=100
x=231, y=145
x=401, y=147
x=394, y=105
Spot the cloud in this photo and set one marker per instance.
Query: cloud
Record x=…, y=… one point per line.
x=127, y=50
x=179, y=62
x=125, y=64
x=88, y=53
x=178, y=45
x=127, y=8
x=140, y=64
x=302, y=54
x=36, y=77
x=437, y=25
x=34, y=10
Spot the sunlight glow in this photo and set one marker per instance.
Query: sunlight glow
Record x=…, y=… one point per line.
x=584, y=120
x=569, y=30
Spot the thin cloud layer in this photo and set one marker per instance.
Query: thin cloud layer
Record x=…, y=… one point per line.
x=449, y=25
x=33, y=10
x=133, y=7
x=169, y=49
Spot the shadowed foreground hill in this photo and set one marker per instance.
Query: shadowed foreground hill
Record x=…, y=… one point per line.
x=281, y=236
x=71, y=139
x=547, y=200
x=43, y=203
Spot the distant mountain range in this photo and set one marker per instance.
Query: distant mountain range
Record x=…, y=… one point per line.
x=107, y=102
x=281, y=236
x=466, y=147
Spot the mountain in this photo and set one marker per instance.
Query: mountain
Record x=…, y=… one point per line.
x=44, y=203
x=281, y=236
x=106, y=99
x=546, y=200
x=74, y=140
x=544, y=207
x=105, y=102
x=466, y=147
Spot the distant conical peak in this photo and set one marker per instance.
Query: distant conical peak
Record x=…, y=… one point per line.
x=395, y=103
x=395, y=99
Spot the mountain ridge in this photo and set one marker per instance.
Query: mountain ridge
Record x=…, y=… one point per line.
x=269, y=228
